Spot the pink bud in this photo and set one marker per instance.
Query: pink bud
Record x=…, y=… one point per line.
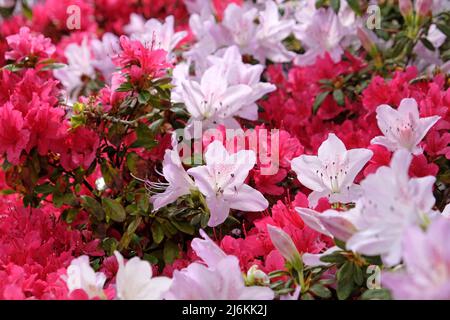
x=366, y=40
x=423, y=7
x=405, y=7
x=284, y=244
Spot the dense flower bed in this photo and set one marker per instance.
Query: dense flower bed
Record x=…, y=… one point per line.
x=224, y=149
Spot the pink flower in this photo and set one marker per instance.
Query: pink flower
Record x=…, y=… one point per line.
x=44, y=124
x=426, y=271
x=13, y=135
x=219, y=279
x=24, y=44
x=402, y=128
x=79, y=149
x=140, y=60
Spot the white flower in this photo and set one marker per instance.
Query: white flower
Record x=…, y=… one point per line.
x=240, y=22
x=103, y=51
x=322, y=30
x=331, y=173
x=80, y=275
x=236, y=72
x=390, y=204
x=79, y=65
x=222, y=179
x=134, y=280
x=270, y=33
x=402, y=128
x=213, y=101
x=153, y=32
x=179, y=183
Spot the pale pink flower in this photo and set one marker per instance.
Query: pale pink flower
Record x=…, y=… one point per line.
x=219, y=279
x=426, y=264
x=402, y=128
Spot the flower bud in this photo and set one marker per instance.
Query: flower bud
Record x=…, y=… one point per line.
x=284, y=244
x=257, y=277
x=366, y=41
x=423, y=7
x=406, y=7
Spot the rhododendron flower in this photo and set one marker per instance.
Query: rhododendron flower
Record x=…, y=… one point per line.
x=103, y=50
x=323, y=32
x=331, y=223
x=179, y=182
x=236, y=72
x=222, y=179
x=79, y=65
x=160, y=35
x=390, y=203
x=80, y=275
x=402, y=128
x=219, y=279
x=213, y=101
x=134, y=280
x=24, y=44
x=79, y=149
x=331, y=173
x=141, y=59
x=270, y=33
x=13, y=135
x=425, y=274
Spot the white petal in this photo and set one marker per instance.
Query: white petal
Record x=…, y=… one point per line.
x=306, y=168
x=331, y=147
x=247, y=199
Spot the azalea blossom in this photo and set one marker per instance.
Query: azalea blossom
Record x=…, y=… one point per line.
x=270, y=33
x=79, y=65
x=212, y=100
x=80, y=275
x=153, y=32
x=322, y=31
x=425, y=273
x=284, y=244
x=219, y=279
x=134, y=280
x=236, y=72
x=222, y=181
x=331, y=173
x=390, y=203
x=402, y=128
x=103, y=51
x=178, y=181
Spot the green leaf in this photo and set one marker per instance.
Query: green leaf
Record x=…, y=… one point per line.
x=427, y=44
x=125, y=87
x=45, y=188
x=320, y=291
x=184, y=227
x=145, y=137
x=444, y=28
x=93, y=207
x=335, y=4
x=335, y=257
x=319, y=100
x=376, y=294
x=144, y=97
x=170, y=252
x=338, y=96
x=345, y=282
x=114, y=210
x=157, y=232
x=358, y=276
x=354, y=4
